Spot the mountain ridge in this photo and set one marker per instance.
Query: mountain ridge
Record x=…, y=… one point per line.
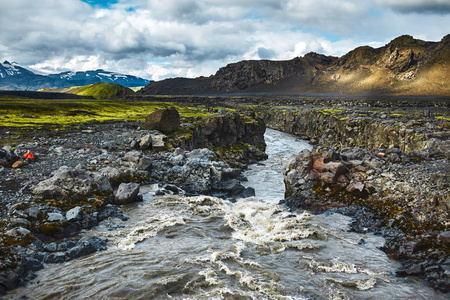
x=404, y=66
x=15, y=77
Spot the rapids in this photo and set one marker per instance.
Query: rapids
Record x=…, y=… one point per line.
x=207, y=248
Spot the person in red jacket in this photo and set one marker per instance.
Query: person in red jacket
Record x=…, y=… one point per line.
x=28, y=155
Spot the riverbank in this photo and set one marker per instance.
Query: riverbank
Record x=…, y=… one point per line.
x=388, y=168
x=81, y=174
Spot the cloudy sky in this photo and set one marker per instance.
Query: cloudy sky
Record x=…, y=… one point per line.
x=157, y=39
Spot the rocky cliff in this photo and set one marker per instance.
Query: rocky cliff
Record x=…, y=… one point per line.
x=405, y=66
x=236, y=138
x=369, y=128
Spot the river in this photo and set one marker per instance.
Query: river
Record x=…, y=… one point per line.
x=208, y=248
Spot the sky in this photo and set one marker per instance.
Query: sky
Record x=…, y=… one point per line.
x=187, y=38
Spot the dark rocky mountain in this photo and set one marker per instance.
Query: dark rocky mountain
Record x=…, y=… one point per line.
x=15, y=77
x=405, y=66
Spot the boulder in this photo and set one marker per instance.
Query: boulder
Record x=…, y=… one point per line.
x=19, y=233
x=163, y=120
x=145, y=163
x=355, y=186
x=145, y=142
x=112, y=174
x=87, y=245
x=74, y=183
x=133, y=156
x=445, y=237
x=55, y=217
x=74, y=214
x=158, y=142
x=127, y=193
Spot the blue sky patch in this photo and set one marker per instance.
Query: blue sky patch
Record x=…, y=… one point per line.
x=101, y=3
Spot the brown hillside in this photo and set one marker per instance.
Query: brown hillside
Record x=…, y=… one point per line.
x=405, y=66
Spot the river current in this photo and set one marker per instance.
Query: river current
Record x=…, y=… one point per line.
x=208, y=248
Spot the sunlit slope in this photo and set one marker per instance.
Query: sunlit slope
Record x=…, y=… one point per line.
x=97, y=90
x=404, y=66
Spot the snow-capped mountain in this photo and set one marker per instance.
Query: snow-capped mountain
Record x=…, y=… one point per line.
x=15, y=77
x=12, y=69
x=89, y=77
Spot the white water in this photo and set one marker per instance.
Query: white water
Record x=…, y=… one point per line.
x=207, y=248
x=266, y=177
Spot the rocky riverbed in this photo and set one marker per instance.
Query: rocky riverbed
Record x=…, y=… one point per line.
x=386, y=167
x=81, y=175
x=386, y=164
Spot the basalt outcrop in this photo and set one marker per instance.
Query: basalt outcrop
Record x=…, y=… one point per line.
x=366, y=127
x=236, y=138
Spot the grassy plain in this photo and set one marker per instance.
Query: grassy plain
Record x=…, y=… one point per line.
x=45, y=113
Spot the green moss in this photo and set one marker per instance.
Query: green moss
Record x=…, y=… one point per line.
x=56, y=114
x=396, y=115
x=329, y=111
x=442, y=118
x=51, y=228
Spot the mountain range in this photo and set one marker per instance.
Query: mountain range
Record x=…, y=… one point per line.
x=15, y=77
x=404, y=66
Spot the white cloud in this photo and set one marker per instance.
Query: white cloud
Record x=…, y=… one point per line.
x=158, y=39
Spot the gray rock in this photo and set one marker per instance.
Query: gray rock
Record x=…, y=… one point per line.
x=55, y=258
x=145, y=163
x=74, y=214
x=133, y=156
x=127, y=193
x=145, y=142
x=178, y=151
x=52, y=247
x=204, y=154
x=87, y=245
x=55, y=217
x=33, y=211
x=75, y=183
x=18, y=232
x=158, y=142
x=445, y=237
x=110, y=173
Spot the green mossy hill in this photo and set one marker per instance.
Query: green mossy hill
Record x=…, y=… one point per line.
x=99, y=90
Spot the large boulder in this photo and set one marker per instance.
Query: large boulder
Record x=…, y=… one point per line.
x=127, y=193
x=74, y=183
x=163, y=120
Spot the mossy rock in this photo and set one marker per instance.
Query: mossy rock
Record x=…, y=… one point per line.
x=52, y=228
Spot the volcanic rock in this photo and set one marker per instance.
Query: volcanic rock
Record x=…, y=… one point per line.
x=163, y=120
x=127, y=193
